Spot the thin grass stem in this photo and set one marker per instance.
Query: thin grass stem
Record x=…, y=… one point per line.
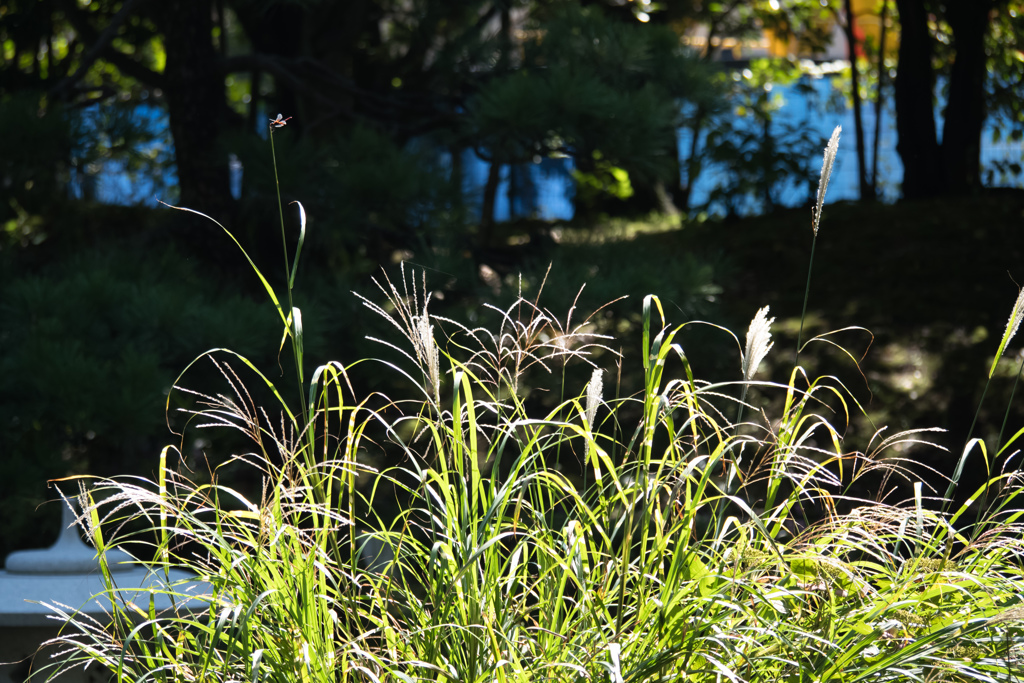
x=807, y=295
x=293, y=323
x=1009, y=404
x=280, y=207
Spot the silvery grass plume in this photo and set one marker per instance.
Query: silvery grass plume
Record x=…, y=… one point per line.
x=826, y=172
x=410, y=317
x=759, y=343
x=1011, y=329
x=831, y=149
x=594, y=390
x=530, y=336
x=426, y=350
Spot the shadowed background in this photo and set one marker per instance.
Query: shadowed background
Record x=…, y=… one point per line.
x=675, y=137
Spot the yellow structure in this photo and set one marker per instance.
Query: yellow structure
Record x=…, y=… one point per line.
x=868, y=30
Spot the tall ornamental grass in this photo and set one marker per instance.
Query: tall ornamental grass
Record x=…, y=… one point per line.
x=634, y=535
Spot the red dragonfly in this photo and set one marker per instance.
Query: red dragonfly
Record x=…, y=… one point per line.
x=279, y=122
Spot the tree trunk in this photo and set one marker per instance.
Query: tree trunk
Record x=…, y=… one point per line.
x=667, y=191
x=196, y=105
x=767, y=153
x=487, y=220
x=865, y=190
x=882, y=73
x=693, y=163
x=965, y=111
x=918, y=147
x=489, y=200
x=512, y=191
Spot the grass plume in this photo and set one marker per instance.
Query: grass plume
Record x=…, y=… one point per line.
x=831, y=150
x=759, y=343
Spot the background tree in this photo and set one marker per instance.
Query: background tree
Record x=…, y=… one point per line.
x=716, y=25
x=605, y=93
x=960, y=36
x=847, y=21
x=882, y=74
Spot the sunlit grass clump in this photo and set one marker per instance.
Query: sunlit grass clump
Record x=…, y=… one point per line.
x=628, y=534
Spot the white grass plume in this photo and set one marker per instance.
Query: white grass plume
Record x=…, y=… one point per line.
x=1015, y=317
x=759, y=343
x=595, y=387
x=1012, y=325
x=826, y=172
x=426, y=351
x=410, y=317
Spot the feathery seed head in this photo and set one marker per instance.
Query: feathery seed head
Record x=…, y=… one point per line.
x=759, y=343
x=427, y=350
x=1011, y=329
x=1015, y=317
x=594, y=390
x=826, y=172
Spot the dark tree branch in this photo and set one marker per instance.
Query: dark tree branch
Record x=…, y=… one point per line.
x=89, y=95
x=714, y=27
x=130, y=67
x=61, y=67
x=99, y=47
x=416, y=56
x=405, y=114
x=280, y=68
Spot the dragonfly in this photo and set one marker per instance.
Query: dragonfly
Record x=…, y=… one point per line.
x=279, y=122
